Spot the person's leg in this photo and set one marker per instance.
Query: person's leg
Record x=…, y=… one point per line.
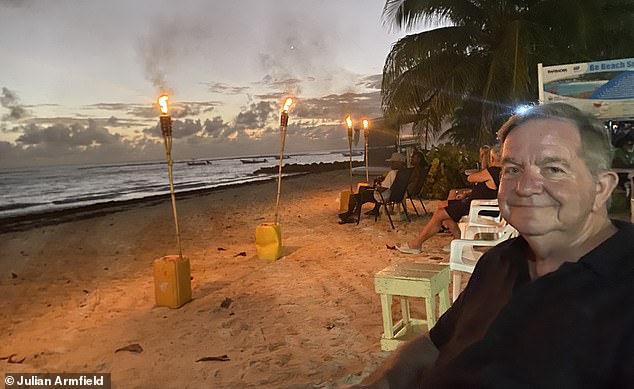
x=453, y=228
x=356, y=200
x=431, y=228
x=367, y=196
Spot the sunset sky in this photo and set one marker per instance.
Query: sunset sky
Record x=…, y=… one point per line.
x=79, y=79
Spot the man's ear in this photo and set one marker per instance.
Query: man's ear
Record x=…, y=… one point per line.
x=604, y=185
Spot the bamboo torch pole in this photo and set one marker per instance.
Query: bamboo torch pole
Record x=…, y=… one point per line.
x=366, y=132
x=349, y=123
x=166, y=130
x=283, y=126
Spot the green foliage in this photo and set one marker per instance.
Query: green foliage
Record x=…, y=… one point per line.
x=448, y=163
x=479, y=59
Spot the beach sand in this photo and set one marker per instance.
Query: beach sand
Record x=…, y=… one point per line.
x=74, y=292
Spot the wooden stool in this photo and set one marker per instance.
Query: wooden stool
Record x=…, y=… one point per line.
x=410, y=280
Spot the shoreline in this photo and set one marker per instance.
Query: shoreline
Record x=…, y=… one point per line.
x=41, y=219
x=45, y=218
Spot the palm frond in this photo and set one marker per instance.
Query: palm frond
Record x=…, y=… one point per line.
x=484, y=63
x=407, y=14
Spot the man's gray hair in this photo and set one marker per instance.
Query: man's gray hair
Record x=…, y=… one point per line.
x=596, y=146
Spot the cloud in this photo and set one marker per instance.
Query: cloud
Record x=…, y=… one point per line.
x=10, y=101
x=178, y=110
x=113, y=106
x=371, y=82
x=219, y=87
x=337, y=106
x=59, y=144
x=81, y=120
x=277, y=96
x=256, y=116
x=315, y=124
x=180, y=129
x=193, y=108
x=66, y=136
x=216, y=127
x=287, y=86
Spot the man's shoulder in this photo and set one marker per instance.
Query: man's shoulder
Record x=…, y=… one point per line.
x=615, y=256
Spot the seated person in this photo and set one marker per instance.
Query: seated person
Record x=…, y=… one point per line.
x=624, y=154
x=370, y=194
x=420, y=168
x=552, y=308
x=624, y=159
x=485, y=157
x=449, y=212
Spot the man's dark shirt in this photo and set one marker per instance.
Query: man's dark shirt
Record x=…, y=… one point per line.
x=572, y=328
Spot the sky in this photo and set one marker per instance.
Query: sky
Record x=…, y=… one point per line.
x=79, y=79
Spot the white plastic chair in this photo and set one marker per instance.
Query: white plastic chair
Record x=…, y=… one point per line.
x=474, y=223
x=465, y=253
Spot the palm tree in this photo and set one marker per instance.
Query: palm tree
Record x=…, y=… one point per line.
x=482, y=60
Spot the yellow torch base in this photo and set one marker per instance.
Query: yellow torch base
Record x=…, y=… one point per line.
x=172, y=281
x=268, y=241
x=344, y=197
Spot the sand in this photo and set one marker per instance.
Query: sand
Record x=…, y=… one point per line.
x=74, y=292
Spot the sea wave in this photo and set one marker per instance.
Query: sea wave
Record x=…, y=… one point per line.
x=52, y=189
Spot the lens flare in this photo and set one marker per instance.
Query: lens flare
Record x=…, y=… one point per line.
x=521, y=109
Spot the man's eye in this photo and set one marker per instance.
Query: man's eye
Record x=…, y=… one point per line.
x=553, y=170
x=510, y=170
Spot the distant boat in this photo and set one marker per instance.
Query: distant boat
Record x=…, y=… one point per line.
x=285, y=157
x=354, y=153
x=198, y=163
x=253, y=160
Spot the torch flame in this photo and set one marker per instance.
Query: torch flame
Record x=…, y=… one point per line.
x=365, y=123
x=287, y=104
x=162, y=100
x=349, y=121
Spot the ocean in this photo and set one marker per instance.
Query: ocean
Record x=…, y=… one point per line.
x=31, y=191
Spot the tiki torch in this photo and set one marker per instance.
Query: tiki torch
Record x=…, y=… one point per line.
x=349, y=123
x=172, y=273
x=268, y=236
x=283, y=125
x=166, y=130
x=366, y=132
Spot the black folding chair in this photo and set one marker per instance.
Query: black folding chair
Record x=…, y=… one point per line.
x=418, y=192
x=398, y=190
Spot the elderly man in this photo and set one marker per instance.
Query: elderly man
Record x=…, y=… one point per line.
x=553, y=308
x=397, y=164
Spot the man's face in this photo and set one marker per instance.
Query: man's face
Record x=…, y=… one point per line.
x=546, y=187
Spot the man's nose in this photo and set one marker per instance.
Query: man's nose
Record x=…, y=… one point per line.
x=529, y=183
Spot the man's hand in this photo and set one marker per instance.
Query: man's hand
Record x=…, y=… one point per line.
x=404, y=368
